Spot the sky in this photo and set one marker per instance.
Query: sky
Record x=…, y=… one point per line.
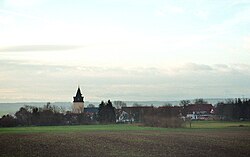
x=124, y=49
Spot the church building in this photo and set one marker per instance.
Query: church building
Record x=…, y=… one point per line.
x=78, y=103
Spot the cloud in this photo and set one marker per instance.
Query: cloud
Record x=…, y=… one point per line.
x=174, y=9
x=6, y=19
x=19, y=14
x=197, y=67
x=25, y=48
x=238, y=3
x=214, y=68
x=58, y=82
x=202, y=14
x=229, y=25
x=246, y=43
x=22, y=4
x=169, y=9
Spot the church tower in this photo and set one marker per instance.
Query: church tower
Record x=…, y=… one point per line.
x=78, y=103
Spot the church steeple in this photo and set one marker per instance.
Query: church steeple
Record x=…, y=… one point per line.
x=78, y=97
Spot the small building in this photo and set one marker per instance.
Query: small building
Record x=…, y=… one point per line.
x=200, y=111
x=124, y=117
x=137, y=112
x=200, y=108
x=78, y=102
x=91, y=112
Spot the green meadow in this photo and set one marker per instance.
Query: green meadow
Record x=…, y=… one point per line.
x=195, y=126
x=218, y=124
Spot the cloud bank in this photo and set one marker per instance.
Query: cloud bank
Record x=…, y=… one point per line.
x=33, y=48
x=39, y=82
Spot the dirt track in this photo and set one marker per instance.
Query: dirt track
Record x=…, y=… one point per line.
x=143, y=143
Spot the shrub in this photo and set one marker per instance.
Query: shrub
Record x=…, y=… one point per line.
x=166, y=122
x=8, y=121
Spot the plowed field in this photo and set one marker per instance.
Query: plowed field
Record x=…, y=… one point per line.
x=212, y=143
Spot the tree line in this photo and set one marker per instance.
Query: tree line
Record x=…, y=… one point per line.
x=234, y=109
x=52, y=115
x=165, y=116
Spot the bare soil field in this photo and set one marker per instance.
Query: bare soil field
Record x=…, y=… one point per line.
x=221, y=143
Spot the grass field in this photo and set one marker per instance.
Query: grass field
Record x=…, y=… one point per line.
x=205, y=138
x=217, y=124
x=195, y=125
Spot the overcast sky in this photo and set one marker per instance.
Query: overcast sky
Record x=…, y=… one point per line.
x=124, y=49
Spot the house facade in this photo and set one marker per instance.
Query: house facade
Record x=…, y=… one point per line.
x=200, y=111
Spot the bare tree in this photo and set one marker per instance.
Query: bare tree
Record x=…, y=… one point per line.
x=91, y=106
x=119, y=104
x=136, y=104
x=200, y=101
x=184, y=102
x=168, y=104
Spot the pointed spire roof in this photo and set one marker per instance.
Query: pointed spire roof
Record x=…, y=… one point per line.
x=78, y=93
x=78, y=97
